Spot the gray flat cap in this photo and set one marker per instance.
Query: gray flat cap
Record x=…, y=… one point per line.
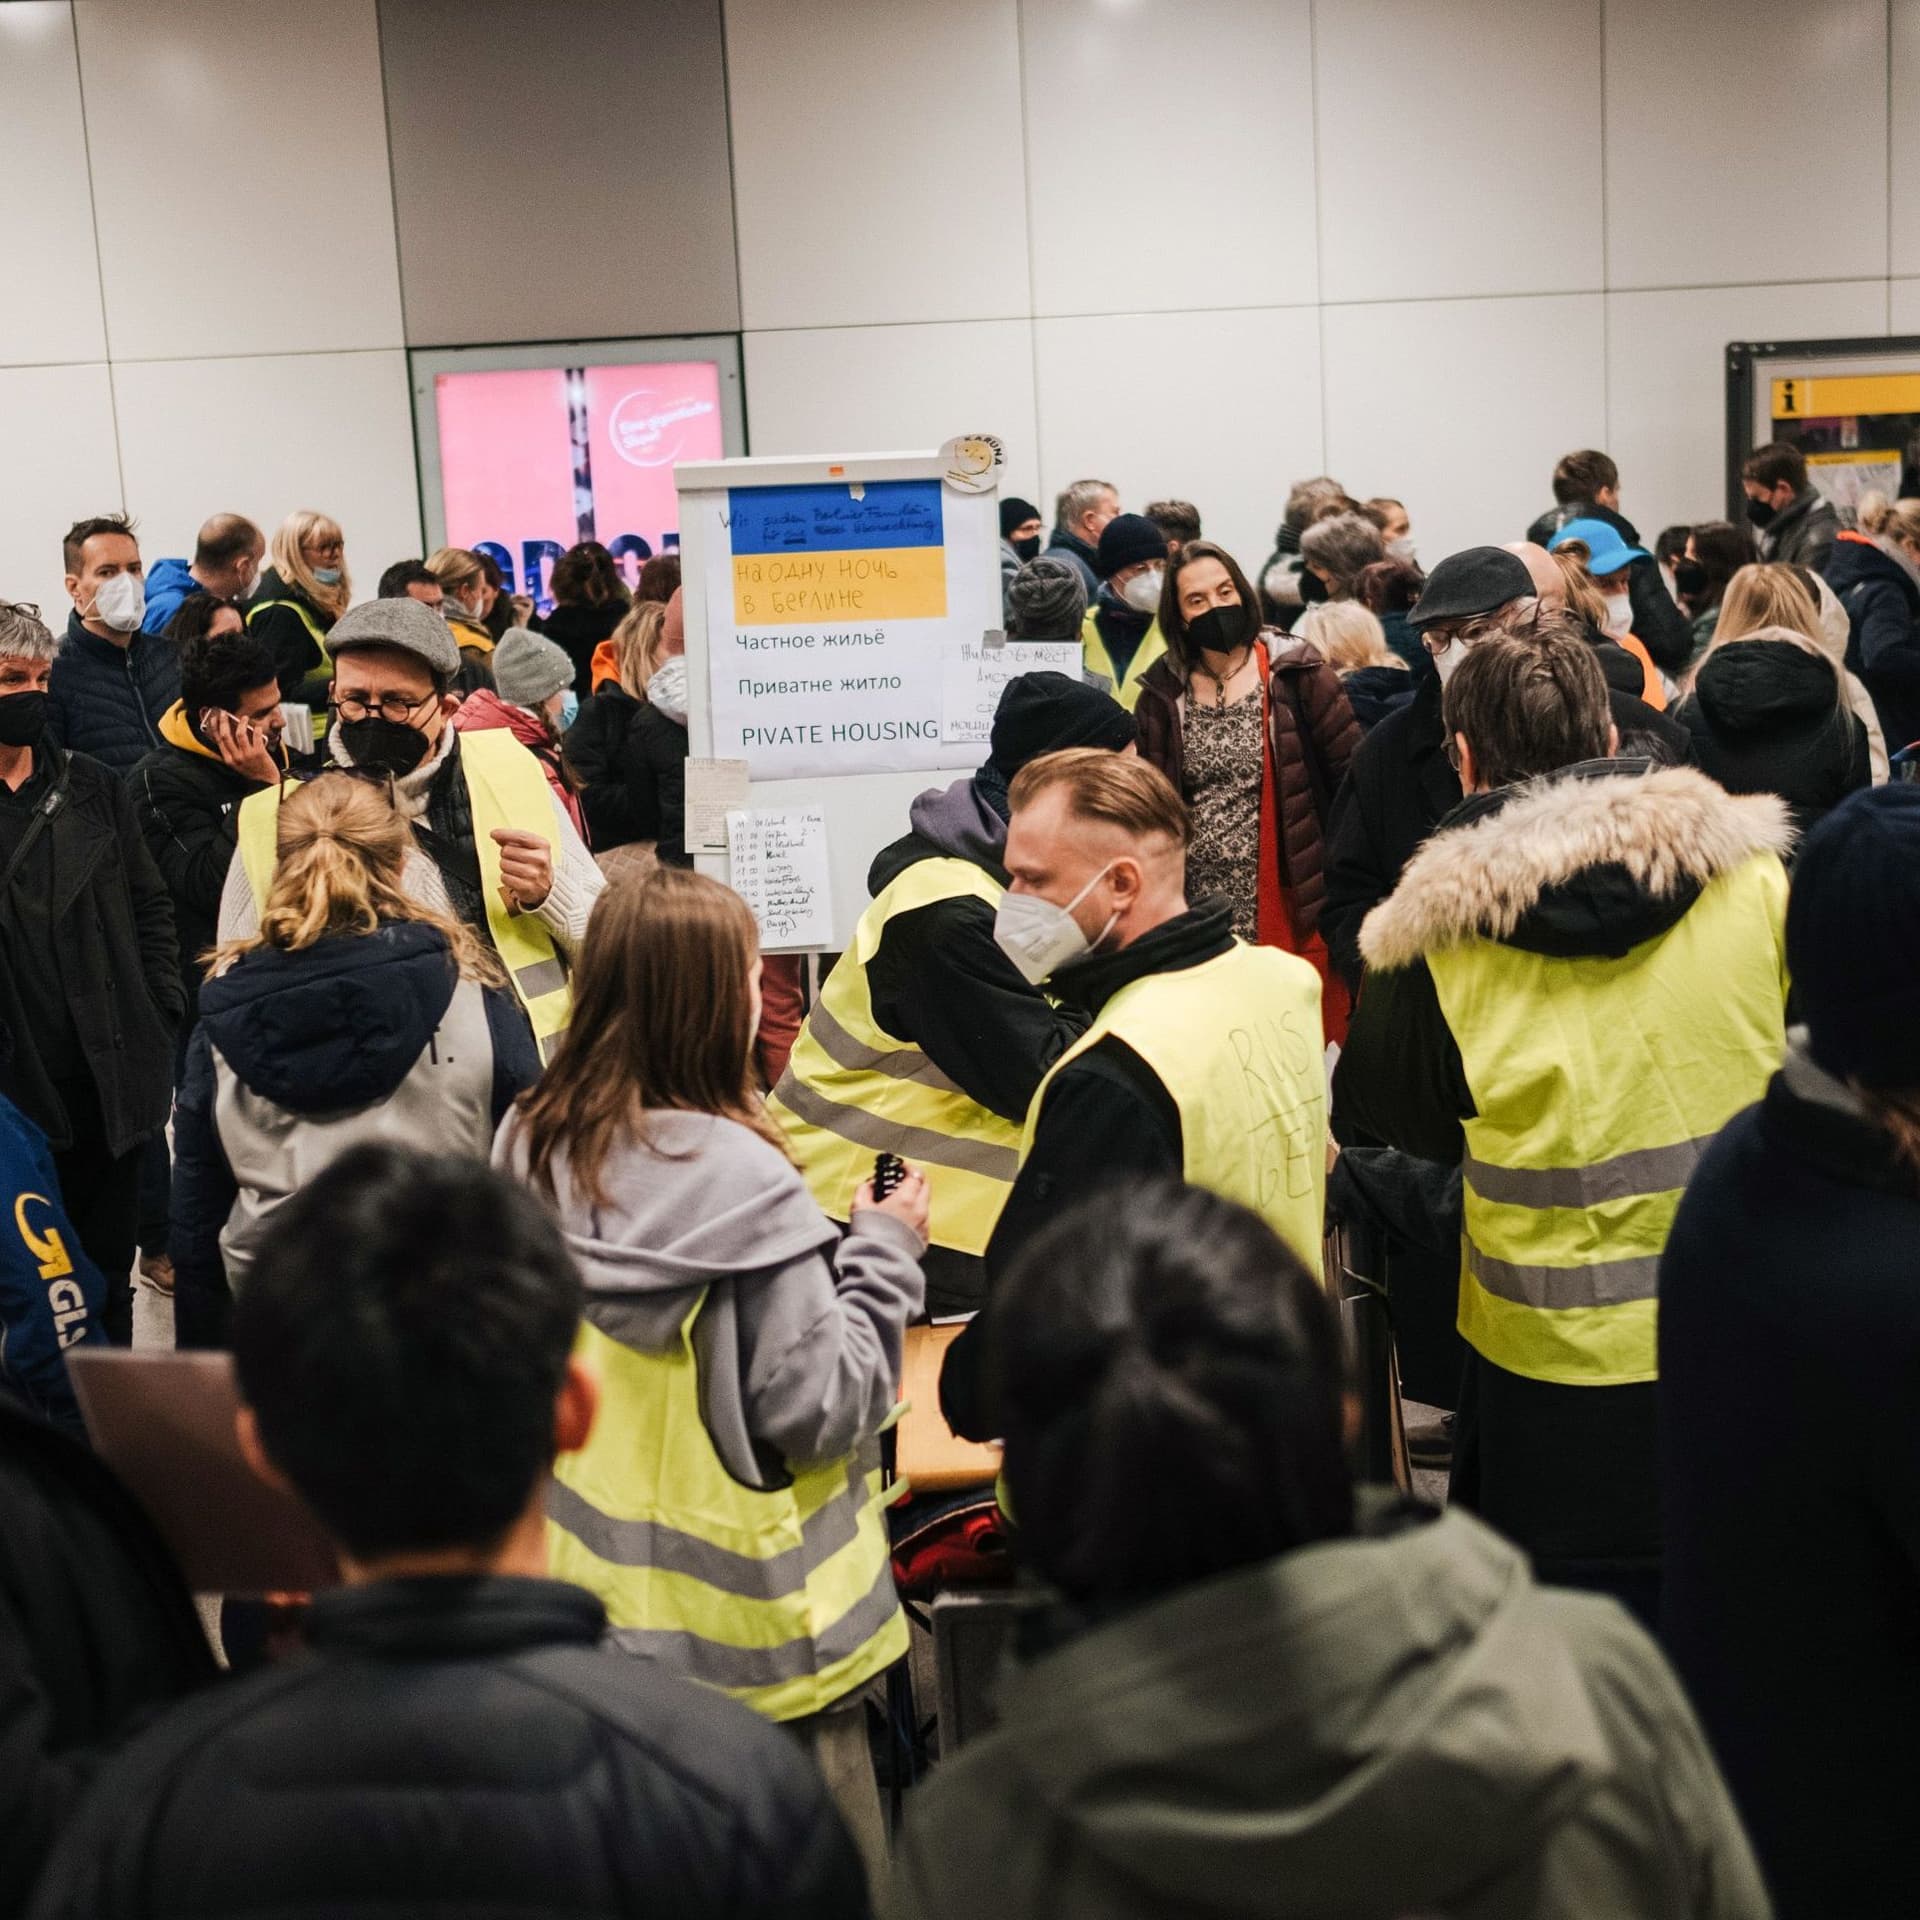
x=405, y=625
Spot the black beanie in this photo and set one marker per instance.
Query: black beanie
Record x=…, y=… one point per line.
x=1015, y=512
x=1046, y=712
x=1127, y=539
x=1853, y=919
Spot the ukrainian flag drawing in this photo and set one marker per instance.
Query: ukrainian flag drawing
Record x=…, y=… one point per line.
x=804, y=554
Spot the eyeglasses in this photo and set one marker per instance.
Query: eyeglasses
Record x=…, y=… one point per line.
x=389, y=706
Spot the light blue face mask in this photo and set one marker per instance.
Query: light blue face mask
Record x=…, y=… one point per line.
x=569, y=709
x=327, y=576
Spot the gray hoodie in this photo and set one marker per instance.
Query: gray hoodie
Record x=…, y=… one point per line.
x=798, y=1345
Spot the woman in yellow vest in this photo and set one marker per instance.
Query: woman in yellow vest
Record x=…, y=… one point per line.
x=727, y=1508
x=304, y=590
x=1576, y=984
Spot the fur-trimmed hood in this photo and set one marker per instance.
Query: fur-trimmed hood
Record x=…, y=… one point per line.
x=1593, y=860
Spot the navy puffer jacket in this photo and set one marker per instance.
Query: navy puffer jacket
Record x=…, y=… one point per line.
x=106, y=700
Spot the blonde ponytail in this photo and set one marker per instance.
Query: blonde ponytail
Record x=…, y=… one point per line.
x=342, y=848
x=1889, y=519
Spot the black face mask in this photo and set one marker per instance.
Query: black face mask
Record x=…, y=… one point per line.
x=384, y=746
x=1220, y=629
x=1690, y=577
x=1312, y=588
x=23, y=718
x=1762, y=512
x=1028, y=549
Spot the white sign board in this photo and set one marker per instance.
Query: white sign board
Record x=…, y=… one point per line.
x=778, y=861
x=826, y=602
x=975, y=673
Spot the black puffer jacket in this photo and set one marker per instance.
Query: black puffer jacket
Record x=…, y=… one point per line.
x=119, y=963
x=188, y=802
x=632, y=760
x=96, y=1626
x=1766, y=717
x=107, y=700
x=577, y=629
x=461, y=1748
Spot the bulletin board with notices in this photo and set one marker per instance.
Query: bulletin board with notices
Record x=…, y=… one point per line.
x=843, y=655
x=1851, y=406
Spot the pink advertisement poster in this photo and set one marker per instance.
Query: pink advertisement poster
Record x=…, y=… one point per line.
x=534, y=459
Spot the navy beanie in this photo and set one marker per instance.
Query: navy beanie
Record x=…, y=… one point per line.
x=1015, y=512
x=1127, y=539
x=1048, y=712
x=1853, y=933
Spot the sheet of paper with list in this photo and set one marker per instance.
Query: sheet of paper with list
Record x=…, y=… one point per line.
x=973, y=675
x=778, y=859
x=714, y=789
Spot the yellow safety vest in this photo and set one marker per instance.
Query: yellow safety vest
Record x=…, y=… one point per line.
x=852, y=1090
x=1093, y=649
x=1598, y=1084
x=505, y=788
x=1238, y=1045
x=319, y=640
x=783, y=1599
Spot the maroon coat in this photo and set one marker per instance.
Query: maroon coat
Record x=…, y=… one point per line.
x=1311, y=734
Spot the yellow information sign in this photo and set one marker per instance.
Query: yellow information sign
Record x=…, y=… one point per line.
x=1832, y=396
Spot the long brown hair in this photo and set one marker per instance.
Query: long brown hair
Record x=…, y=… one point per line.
x=342, y=847
x=661, y=1021
x=1173, y=623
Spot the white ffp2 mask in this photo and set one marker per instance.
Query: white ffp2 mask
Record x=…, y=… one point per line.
x=1039, y=937
x=121, y=602
x=1142, y=592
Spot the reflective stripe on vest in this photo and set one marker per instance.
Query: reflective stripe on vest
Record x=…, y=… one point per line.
x=1237, y=1043
x=1598, y=1084
x=784, y=1599
x=852, y=1090
x=319, y=640
x=505, y=788
x=1126, y=686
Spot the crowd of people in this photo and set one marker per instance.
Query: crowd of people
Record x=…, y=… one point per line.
x=360, y=999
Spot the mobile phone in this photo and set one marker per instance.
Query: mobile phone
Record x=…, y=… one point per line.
x=888, y=1172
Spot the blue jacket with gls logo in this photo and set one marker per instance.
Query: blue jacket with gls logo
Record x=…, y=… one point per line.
x=50, y=1292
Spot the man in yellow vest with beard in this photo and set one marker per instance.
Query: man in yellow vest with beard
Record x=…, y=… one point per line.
x=926, y=1041
x=1579, y=979
x=492, y=842
x=1203, y=1059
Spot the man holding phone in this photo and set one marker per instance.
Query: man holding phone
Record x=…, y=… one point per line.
x=220, y=741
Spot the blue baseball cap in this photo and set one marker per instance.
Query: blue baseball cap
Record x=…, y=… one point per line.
x=1609, y=553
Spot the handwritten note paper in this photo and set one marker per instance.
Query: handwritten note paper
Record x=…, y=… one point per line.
x=714, y=789
x=779, y=867
x=973, y=676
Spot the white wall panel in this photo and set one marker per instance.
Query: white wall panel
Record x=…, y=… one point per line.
x=1745, y=143
x=1904, y=145
x=52, y=308
x=265, y=436
x=877, y=161
x=1666, y=382
x=1461, y=408
x=1222, y=409
x=1459, y=147
x=240, y=175
x=56, y=425
x=1170, y=154
x=895, y=389
x=1903, y=306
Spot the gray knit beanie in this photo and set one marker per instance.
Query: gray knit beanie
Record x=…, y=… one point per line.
x=528, y=668
x=1046, y=600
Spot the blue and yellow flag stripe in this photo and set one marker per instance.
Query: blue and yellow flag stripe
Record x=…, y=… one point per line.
x=819, y=553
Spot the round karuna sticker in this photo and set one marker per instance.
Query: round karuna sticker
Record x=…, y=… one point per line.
x=972, y=463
